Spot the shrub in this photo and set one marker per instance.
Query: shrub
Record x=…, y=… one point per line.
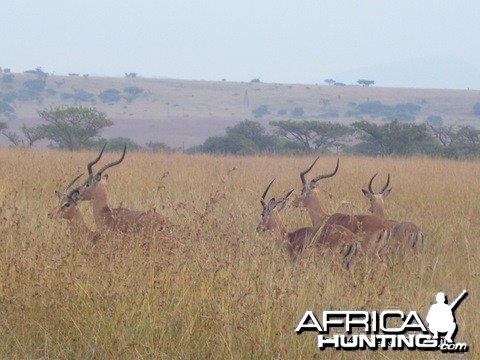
x=109, y=95
x=8, y=78
x=298, y=112
x=476, y=109
x=260, y=111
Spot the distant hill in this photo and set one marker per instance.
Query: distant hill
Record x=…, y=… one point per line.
x=185, y=112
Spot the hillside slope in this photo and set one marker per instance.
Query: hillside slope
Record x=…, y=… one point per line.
x=184, y=113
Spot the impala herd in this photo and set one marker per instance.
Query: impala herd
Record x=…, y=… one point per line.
x=347, y=235
x=344, y=233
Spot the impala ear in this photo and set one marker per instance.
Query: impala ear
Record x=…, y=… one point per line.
x=104, y=178
x=282, y=205
x=283, y=202
x=75, y=196
x=59, y=194
x=386, y=192
x=271, y=204
x=367, y=193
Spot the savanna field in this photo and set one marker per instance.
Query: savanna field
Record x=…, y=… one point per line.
x=214, y=288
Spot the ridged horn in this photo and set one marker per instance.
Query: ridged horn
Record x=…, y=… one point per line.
x=89, y=166
x=303, y=173
x=71, y=183
x=325, y=176
x=370, y=184
x=99, y=172
x=262, y=200
x=386, y=185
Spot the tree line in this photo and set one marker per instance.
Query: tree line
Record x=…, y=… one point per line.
x=393, y=138
x=76, y=128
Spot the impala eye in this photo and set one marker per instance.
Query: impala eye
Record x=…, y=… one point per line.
x=66, y=204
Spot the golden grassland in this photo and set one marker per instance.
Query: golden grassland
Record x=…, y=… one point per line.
x=214, y=288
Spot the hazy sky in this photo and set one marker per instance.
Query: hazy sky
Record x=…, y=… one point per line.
x=408, y=43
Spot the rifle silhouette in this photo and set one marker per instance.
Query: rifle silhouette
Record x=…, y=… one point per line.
x=459, y=298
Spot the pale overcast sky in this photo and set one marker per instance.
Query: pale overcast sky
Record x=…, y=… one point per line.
x=407, y=43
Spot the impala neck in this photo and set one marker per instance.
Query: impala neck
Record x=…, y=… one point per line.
x=313, y=203
x=378, y=208
x=77, y=225
x=101, y=211
x=277, y=226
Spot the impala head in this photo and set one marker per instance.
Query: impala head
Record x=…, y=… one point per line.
x=377, y=200
x=270, y=212
x=67, y=207
x=310, y=188
x=86, y=191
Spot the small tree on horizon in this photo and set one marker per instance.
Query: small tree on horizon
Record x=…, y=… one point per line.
x=366, y=83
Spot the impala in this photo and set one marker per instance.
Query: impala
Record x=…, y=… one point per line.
x=68, y=209
x=404, y=234
x=309, y=197
x=372, y=232
x=331, y=237
x=117, y=219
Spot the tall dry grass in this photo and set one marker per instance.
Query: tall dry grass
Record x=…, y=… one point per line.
x=214, y=288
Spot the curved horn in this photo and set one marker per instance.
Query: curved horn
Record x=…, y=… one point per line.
x=287, y=195
x=71, y=183
x=99, y=172
x=265, y=192
x=303, y=173
x=370, y=184
x=386, y=185
x=325, y=176
x=89, y=166
x=283, y=200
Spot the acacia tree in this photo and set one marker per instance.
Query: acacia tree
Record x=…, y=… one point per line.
x=71, y=128
x=302, y=132
x=393, y=138
x=246, y=137
x=11, y=136
x=467, y=141
x=30, y=135
x=251, y=130
x=366, y=83
x=312, y=135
